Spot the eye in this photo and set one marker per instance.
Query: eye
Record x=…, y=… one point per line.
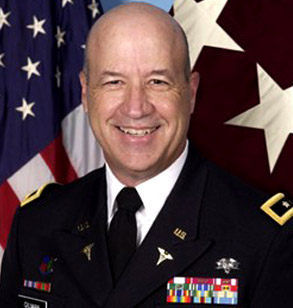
x=114, y=82
x=158, y=82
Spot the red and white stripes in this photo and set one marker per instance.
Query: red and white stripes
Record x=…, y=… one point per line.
x=70, y=155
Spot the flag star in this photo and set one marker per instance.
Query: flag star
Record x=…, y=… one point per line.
x=64, y=2
x=60, y=37
x=274, y=115
x=199, y=22
x=1, y=57
x=94, y=8
x=3, y=18
x=37, y=26
x=58, y=77
x=31, y=68
x=26, y=109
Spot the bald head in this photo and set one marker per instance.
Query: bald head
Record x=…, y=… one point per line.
x=140, y=20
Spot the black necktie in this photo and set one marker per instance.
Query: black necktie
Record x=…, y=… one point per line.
x=122, y=232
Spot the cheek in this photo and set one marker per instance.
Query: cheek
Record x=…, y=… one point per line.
x=171, y=107
x=102, y=106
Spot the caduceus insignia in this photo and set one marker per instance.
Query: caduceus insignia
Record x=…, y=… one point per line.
x=87, y=250
x=164, y=255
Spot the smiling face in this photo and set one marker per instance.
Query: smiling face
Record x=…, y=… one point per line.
x=137, y=94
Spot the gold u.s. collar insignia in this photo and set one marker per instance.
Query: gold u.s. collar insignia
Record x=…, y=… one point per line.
x=83, y=226
x=87, y=250
x=164, y=255
x=180, y=233
x=278, y=208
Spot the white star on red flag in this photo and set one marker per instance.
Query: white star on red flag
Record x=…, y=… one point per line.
x=201, y=26
x=274, y=115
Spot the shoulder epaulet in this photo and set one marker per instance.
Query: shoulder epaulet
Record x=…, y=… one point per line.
x=36, y=194
x=278, y=208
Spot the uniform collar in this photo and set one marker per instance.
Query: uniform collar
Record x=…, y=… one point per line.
x=152, y=192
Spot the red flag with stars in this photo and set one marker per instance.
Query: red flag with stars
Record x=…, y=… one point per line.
x=243, y=118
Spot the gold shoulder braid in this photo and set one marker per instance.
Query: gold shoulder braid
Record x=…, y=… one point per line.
x=36, y=194
x=278, y=208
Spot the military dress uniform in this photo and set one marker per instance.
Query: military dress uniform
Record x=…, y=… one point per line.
x=210, y=246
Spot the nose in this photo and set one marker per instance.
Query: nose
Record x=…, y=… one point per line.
x=136, y=104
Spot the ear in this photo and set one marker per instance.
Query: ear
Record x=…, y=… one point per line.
x=194, y=82
x=83, y=83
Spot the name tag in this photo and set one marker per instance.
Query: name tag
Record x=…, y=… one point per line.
x=30, y=302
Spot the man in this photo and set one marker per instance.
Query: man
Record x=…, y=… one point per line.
x=201, y=236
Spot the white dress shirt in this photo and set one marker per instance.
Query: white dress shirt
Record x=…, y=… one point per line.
x=152, y=192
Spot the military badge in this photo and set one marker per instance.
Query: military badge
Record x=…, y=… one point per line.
x=46, y=266
x=83, y=226
x=37, y=285
x=202, y=290
x=180, y=233
x=278, y=208
x=164, y=255
x=227, y=264
x=87, y=250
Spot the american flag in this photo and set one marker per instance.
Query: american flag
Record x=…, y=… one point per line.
x=44, y=135
x=243, y=119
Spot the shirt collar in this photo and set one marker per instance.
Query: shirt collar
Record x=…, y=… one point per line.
x=152, y=192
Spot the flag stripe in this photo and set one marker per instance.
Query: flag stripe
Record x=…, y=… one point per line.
x=1, y=255
x=31, y=176
x=58, y=162
x=10, y=200
x=78, y=136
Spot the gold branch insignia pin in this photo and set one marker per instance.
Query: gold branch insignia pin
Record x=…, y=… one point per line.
x=87, y=250
x=164, y=255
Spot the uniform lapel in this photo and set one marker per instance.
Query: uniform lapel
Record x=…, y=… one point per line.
x=83, y=249
x=175, y=232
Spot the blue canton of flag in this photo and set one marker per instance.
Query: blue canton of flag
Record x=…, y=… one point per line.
x=43, y=132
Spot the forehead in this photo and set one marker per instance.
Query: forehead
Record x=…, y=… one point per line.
x=140, y=41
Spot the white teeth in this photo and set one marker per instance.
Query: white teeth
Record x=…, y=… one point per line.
x=137, y=132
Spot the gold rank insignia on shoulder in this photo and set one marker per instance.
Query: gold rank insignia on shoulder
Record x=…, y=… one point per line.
x=36, y=194
x=278, y=208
